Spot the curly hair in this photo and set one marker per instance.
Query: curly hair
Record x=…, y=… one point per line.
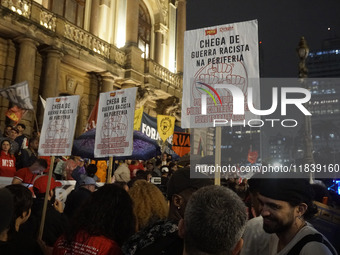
x=149, y=204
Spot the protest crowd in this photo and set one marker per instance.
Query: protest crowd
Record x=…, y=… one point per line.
x=151, y=207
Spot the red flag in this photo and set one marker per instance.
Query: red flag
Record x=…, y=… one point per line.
x=252, y=156
x=15, y=113
x=92, y=120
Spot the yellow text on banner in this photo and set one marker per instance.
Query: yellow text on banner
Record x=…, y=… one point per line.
x=138, y=118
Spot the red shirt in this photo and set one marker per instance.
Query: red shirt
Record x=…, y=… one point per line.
x=25, y=175
x=85, y=244
x=7, y=165
x=134, y=168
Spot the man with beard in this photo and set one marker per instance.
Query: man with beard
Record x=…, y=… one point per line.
x=286, y=205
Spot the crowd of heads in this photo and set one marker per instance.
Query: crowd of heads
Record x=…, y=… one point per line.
x=209, y=219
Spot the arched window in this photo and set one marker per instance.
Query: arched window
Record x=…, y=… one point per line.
x=144, y=30
x=72, y=10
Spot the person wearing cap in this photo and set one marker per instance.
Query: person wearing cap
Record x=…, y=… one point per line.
x=79, y=175
x=180, y=188
x=55, y=221
x=27, y=175
x=286, y=205
x=79, y=196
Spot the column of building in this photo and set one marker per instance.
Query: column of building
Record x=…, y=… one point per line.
x=181, y=27
x=160, y=43
x=134, y=61
x=25, y=72
x=51, y=79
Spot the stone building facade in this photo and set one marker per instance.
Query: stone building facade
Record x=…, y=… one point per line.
x=85, y=47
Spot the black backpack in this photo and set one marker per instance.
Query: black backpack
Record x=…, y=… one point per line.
x=310, y=238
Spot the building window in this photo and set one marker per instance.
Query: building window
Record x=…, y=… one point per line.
x=72, y=10
x=144, y=30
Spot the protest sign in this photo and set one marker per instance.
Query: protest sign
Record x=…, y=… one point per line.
x=220, y=64
x=59, y=124
x=114, y=130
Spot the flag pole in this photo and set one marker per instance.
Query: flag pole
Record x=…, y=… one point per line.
x=109, y=172
x=218, y=138
x=43, y=216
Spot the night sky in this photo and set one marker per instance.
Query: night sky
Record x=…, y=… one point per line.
x=281, y=24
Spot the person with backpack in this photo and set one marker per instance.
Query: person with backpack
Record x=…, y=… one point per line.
x=286, y=206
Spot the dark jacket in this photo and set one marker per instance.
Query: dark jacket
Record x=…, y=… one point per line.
x=55, y=222
x=20, y=244
x=156, y=239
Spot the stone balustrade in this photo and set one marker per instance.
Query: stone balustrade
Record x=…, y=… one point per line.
x=83, y=38
x=86, y=39
x=48, y=19
x=165, y=75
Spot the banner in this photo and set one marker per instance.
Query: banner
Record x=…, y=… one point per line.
x=220, y=64
x=114, y=130
x=18, y=94
x=138, y=118
x=165, y=126
x=92, y=120
x=149, y=128
x=15, y=113
x=59, y=124
x=181, y=143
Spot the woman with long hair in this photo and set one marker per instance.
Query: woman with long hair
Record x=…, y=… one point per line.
x=149, y=204
x=7, y=160
x=105, y=221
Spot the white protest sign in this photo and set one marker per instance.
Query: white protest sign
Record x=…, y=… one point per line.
x=59, y=124
x=220, y=64
x=114, y=130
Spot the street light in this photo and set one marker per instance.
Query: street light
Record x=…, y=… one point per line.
x=303, y=51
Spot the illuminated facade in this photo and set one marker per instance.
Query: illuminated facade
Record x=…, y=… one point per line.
x=85, y=47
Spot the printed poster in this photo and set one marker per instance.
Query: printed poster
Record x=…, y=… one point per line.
x=220, y=64
x=138, y=118
x=59, y=124
x=114, y=130
x=165, y=126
